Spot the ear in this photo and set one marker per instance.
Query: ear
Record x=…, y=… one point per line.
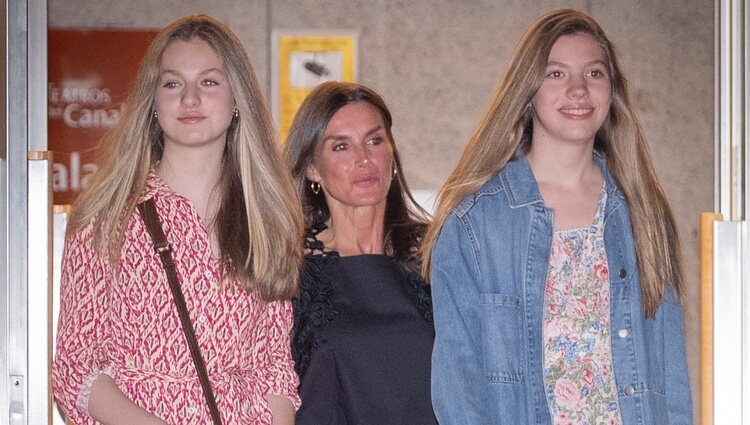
x=312, y=173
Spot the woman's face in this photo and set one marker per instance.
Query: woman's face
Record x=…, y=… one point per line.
x=354, y=160
x=194, y=103
x=573, y=100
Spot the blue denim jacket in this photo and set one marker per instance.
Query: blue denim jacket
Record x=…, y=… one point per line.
x=488, y=272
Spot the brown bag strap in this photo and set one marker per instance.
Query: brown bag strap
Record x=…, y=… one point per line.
x=164, y=249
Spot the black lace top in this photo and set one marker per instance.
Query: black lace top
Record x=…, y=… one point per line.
x=362, y=341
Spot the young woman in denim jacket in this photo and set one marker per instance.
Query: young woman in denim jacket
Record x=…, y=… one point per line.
x=555, y=264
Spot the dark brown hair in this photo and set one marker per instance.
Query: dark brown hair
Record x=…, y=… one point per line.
x=404, y=218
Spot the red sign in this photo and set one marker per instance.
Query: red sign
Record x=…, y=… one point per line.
x=90, y=73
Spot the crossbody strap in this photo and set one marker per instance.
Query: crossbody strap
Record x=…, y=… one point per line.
x=164, y=249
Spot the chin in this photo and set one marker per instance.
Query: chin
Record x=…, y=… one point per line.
x=368, y=202
x=580, y=136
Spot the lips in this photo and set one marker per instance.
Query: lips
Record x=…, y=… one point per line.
x=191, y=119
x=365, y=180
x=577, y=113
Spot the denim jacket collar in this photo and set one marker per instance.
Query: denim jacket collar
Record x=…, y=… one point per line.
x=517, y=181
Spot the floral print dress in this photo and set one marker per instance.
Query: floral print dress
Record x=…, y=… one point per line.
x=578, y=378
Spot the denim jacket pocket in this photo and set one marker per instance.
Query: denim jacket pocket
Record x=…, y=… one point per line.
x=502, y=354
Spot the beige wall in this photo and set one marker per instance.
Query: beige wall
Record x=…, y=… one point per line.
x=436, y=62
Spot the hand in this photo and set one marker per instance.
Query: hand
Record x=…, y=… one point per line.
x=107, y=404
x=155, y=421
x=282, y=409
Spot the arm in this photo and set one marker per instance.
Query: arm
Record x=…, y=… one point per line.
x=677, y=388
x=279, y=373
x=107, y=404
x=282, y=409
x=457, y=377
x=320, y=390
x=83, y=377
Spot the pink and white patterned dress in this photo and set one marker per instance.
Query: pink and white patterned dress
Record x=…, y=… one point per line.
x=578, y=379
x=127, y=326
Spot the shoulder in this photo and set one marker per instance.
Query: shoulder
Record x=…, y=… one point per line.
x=316, y=279
x=406, y=239
x=316, y=287
x=511, y=189
x=489, y=203
x=84, y=244
x=313, y=309
x=83, y=233
x=154, y=187
x=170, y=205
x=314, y=247
x=316, y=270
x=484, y=194
x=420, y=293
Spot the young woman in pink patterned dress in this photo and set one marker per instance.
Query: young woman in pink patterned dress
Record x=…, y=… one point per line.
x=197, y=139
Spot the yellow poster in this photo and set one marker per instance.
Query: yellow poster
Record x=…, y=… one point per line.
x=303, y=61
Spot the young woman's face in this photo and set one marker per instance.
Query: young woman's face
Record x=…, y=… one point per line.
x=194, y=101
x=573, y=100
x=353, y=162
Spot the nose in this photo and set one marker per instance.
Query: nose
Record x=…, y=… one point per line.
x=190, y=96
x=362, y=156
x=577, y=89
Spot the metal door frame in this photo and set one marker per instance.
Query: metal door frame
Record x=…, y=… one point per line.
x=729, y=398
x=25, y=273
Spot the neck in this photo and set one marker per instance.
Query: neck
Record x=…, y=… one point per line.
x=356, y=230
x=564, y=165
x=193, y=175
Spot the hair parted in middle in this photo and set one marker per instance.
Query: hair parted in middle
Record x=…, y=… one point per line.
x=260, y=245
x=504, y=133
x=405, y=220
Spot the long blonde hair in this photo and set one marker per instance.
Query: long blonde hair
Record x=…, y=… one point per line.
x=504, y=130
x=259, y=221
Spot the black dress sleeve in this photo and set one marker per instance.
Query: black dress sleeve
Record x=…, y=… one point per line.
x=320, y=394
x=313, y=310
x=420, y=293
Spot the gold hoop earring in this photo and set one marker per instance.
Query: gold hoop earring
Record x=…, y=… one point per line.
x=315, y=187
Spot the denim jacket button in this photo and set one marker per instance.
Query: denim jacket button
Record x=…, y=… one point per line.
x=629, y=390
x=622, y=333
x=623, y=273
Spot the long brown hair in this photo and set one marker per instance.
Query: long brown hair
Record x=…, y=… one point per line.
x=504, y=130
x=404, y=218
x=259, y=241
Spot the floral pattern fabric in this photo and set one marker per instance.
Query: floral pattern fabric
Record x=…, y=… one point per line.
x=578, y=378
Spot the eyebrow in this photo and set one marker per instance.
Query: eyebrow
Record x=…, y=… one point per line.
x=204, y=72
x=343, y=137
x=593, y=62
